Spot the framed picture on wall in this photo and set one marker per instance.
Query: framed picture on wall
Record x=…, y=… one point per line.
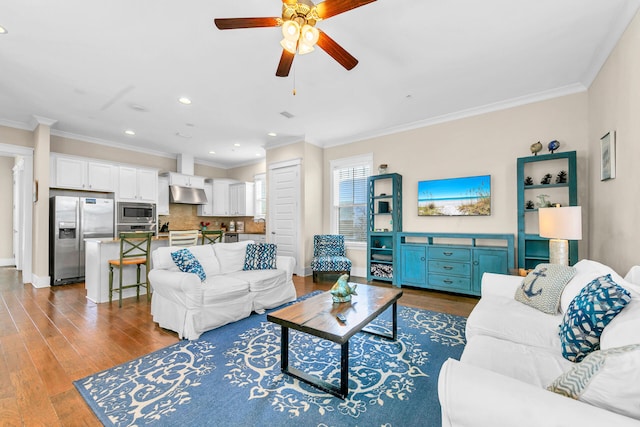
x=608, y=156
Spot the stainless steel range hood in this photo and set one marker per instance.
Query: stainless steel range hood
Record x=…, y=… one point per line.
x=187, y=195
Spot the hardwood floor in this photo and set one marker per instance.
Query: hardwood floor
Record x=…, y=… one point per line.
x=53, y=336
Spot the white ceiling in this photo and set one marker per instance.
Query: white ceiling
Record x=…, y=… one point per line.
x=101, y=67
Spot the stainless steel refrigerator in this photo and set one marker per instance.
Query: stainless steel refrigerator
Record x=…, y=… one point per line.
x=73, y=219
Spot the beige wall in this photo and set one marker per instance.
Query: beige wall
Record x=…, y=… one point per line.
x=6, y=210
x=614, y=105
x=313, y=210
x=484, y=144
x=111, y=154
x=246, y=173
x=14, y=136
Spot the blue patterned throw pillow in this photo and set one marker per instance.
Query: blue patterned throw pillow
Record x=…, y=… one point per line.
x=260, y=256
x=188, y=263
x=588, y=314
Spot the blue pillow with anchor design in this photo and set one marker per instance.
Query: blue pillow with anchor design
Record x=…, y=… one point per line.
x=542, y=288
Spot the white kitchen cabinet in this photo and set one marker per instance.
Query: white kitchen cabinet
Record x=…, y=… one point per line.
x=137, y=185
x=81, y=174
x=207, y=209
x=221, y=196
x=183, y=180
x=258, y=238
x=241, y=199
x=163, y=195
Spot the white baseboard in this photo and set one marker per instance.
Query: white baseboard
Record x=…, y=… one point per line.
x=7, y=262
x=40, y=282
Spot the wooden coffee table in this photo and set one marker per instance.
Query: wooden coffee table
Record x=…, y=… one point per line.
x=317, y=316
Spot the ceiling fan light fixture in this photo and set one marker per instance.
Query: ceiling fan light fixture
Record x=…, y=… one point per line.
x=291, y=30
x=304, y=48
x=309, y=35
x=289, y=45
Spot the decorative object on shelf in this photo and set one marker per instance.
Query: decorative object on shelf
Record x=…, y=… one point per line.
x=529, y=205
x=383, y=207
x=608, y=156
x=528, y=181
x=341, y=291
x=561, y=178
x=553, y=146
x=535, y=148
x=546, y=179
x=382, y=169
x=560, y=225
x=543, y=202
x=204, y=225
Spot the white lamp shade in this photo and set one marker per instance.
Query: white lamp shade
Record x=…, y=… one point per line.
x=561, y=223
x=309, y=34
x=291, y=30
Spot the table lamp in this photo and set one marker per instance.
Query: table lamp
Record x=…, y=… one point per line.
x=560, y=225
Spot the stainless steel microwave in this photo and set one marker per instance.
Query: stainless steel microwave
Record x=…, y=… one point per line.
x=136, y=213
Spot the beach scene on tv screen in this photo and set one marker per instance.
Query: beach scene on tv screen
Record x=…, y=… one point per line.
x=455, y=196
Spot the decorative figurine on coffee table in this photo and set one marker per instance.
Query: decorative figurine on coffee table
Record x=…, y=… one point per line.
x=341, y=291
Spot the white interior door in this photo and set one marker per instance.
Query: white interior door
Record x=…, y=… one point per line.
x=283, y=227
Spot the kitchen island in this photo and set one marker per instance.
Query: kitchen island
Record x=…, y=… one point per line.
x=98, y=252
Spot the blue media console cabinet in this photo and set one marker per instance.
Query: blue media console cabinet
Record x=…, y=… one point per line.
x=453, y=262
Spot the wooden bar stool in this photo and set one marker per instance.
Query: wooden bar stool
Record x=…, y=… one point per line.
x=135, y=249
x=211, y=237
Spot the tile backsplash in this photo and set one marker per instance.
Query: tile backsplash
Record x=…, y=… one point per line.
x=185, y=217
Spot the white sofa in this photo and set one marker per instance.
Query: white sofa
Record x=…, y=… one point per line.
x=183, y=303
x=513, y=353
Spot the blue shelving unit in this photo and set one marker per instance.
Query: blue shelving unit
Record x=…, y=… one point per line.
x=533, y=249
x=384, y=220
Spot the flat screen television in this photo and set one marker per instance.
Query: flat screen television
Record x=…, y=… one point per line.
x=455, y=196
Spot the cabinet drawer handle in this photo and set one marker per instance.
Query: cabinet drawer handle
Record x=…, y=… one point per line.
x=447, y=267
x=422, y=258
x=447, y=253
x=448, y=281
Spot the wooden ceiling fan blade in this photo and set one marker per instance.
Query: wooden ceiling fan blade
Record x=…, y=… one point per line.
x=336, y=51
x=289, y=1
x=329, y=8
x=233, y=23
x=285, y=63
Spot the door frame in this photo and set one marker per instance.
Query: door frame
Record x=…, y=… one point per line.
x=25, y=208
x=299, y=269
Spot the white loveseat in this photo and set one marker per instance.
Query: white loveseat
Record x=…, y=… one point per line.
x=183, y=303
x=513, y=354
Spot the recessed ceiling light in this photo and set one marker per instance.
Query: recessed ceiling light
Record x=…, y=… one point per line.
x=184, y=100
x=236, y=145
x=3, y=30
x=258, y=154
x=129, y=132
x=212, y=152
x=272, y=134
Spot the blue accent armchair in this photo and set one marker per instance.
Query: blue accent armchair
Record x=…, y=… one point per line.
x=329, y=255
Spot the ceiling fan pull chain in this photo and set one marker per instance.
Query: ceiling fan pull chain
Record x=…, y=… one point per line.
x=294, y=80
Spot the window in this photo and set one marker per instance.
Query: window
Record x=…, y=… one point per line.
x=260, y=191
x=350, y=196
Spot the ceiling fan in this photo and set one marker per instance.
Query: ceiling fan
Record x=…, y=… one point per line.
x=298, y=22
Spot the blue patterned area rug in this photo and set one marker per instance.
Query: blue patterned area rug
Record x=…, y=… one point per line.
x=231, y=376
